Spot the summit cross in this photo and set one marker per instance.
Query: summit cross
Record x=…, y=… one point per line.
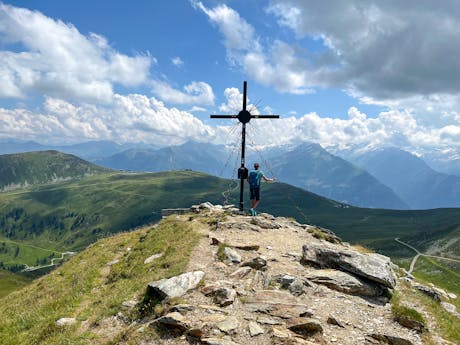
x=244, y=116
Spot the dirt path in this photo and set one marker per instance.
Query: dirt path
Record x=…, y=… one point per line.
x=418, y=254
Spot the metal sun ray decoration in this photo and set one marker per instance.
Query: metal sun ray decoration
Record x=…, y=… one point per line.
x=244, y=116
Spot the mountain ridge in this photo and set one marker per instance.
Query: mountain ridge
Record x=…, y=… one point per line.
x=40, y=167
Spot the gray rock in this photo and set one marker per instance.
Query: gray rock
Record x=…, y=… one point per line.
x=450, y=308
x=218, y=341
x=261, y=280
x=175, y=286
x=265, y=223
x=228, y=325
x=345, y=282
x=232, y=255
x=241, y=272
x=224, y=296
x=255, y=329
x=114, y=262
x=372, y=266
x=258, y=263
x=66, y=321
x=304, y=326
x=297, y=287
x=173, y=320
x=285, y=280
x=391, y=339
x=129, y=305
x=150, y=259
x=268, y=321
x=430, y=292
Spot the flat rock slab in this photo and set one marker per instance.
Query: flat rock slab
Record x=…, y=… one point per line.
x=228, y=325
x=374, y=267
x=344, y=282
x=284, y=311
x=271, y=297
x=255, y=329
x=391, y=339
x=175, y=286
x=218, y=341
x=173, y=320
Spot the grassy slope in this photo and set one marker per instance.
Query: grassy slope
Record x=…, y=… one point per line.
x=11, y=282
x=84, y=288
x=42, y=167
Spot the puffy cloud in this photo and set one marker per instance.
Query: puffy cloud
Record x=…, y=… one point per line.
x=238, y=34
x=280, y=65
x=394, y=127
x=130, y=118
x=194, y=93
x=57, y=60
x=177, y=61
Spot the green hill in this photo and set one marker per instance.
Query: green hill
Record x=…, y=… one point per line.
x=31, y=168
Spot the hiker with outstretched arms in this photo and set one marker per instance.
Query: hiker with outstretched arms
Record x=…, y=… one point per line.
x=254, y=179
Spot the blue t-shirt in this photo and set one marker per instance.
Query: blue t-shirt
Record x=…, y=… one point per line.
x=255, y=177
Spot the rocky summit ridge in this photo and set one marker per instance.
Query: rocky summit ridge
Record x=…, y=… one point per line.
x=244, y=280
x=271, y=280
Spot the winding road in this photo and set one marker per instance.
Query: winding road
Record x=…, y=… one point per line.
x=34, y=268
x=418, y=254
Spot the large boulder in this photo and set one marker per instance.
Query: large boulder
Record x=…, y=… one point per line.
x=345, y=282
x=375, y=267
x=175, y=286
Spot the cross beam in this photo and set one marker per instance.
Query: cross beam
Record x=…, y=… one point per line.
x=244, y=117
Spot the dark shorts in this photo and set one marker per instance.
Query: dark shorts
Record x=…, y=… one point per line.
x=255, y=193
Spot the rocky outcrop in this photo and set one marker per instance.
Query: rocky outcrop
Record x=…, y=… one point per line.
x=345, y=282
x=270, y=297
x=374, y=267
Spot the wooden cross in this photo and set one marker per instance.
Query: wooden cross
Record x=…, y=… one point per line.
x=244, y=117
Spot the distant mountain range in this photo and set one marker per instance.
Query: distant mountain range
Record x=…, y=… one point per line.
x=312, y=168
x=32, y=168
x=191, y=155
x=384, y=178
x=412, y=179
x=90, y=150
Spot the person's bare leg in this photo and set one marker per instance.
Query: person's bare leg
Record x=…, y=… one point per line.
x=255, y=204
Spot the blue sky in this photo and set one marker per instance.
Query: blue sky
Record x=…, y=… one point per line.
x=339, y=73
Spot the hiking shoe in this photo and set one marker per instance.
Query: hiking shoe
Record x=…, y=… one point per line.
x=252, y=212
x=255, y=213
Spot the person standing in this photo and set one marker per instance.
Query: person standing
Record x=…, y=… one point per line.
x=254, y=179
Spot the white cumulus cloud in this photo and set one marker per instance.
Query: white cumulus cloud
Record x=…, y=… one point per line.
x=57, y=60
x=199, y=93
